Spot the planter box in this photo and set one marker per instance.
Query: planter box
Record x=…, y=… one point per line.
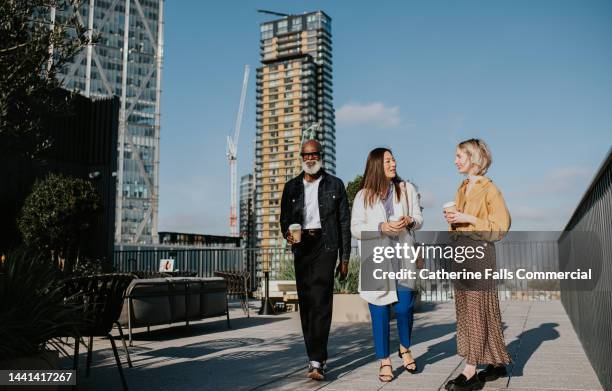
x=45, y=360
x=351, y=308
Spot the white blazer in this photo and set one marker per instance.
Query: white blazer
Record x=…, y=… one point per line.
x=366, y=220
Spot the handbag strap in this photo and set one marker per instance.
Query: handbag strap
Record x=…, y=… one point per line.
x=405, y=191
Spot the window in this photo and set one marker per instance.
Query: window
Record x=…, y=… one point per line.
x=266, y=31
x=296, y=24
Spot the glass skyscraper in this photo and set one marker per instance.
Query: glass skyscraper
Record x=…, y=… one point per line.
x=294, y=92
x=126, y=61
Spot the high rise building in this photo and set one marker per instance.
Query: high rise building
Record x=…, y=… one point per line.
x=247, y=213
x=126, y=61
x=294, y=91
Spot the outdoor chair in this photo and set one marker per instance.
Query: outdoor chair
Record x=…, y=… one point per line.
x=238, y=285
x=102, y=299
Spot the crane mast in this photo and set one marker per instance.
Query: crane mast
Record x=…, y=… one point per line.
x=232, y=156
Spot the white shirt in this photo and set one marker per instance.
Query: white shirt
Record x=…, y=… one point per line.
x=312, y=220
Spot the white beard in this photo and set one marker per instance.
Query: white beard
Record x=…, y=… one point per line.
x=312, y=170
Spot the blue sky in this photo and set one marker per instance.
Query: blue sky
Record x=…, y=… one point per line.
x=532, y=78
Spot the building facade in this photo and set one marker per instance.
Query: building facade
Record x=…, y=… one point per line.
x=294, y=92
x=126, y=61
x=247, y=212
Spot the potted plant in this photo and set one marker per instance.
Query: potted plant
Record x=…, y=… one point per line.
x=348, y=305
x=33, y=312
x=56, y=217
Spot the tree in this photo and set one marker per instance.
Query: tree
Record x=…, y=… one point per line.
x=33, y=51
x=57, y=214
x=352, y=188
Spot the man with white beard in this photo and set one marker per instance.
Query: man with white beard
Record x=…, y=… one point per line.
x=317, y=201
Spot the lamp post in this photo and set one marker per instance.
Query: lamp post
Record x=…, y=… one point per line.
x=266, y=306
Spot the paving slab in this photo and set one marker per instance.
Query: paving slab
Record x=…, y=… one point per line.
x=267, y=353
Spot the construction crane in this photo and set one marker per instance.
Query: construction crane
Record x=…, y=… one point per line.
x=310, y=133
x=272, y=13
x=232, y=155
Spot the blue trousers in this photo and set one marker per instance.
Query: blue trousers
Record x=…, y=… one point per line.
x=380, y=321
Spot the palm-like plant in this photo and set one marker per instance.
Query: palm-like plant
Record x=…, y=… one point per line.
x=33, y=309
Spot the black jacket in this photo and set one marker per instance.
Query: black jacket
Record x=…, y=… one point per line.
x=333, y=210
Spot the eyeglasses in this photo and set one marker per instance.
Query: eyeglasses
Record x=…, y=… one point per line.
x=311, y=155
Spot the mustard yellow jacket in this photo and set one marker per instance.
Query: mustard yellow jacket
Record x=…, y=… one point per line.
x=487, y=204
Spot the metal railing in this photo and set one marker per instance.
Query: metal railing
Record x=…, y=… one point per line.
x=540, y=255
x=537, y=255
x=591, y=311
x=205, y=261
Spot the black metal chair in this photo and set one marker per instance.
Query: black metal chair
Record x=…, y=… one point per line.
x=237, y=285
x=102, y=299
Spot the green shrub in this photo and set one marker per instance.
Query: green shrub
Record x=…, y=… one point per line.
x=57, y=215
x=352, y=188
x=351, y=283
x=286, y=270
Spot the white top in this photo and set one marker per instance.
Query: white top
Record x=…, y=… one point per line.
x=312, y=220
x=364, y=226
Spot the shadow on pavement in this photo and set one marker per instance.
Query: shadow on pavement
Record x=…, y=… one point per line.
x=527, y=342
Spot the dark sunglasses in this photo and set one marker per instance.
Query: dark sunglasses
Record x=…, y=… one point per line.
x=311, y=154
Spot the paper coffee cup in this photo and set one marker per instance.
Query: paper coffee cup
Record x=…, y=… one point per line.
x=296, y=232
x=395, y=218
x=450, y=207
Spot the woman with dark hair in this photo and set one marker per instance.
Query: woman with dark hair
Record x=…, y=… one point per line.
x=387, y=210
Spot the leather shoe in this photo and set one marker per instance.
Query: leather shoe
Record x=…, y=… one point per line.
x=492, y=372
x=461, y=383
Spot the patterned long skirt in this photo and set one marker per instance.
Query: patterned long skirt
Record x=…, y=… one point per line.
x=480, y=338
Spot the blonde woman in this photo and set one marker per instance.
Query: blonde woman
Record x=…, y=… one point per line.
x=481, y=210
x=387, y=207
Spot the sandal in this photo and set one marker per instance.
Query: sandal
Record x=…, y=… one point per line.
x=385, y=378
x=406, y=366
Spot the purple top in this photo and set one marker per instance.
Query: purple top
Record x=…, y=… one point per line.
x=388, y=201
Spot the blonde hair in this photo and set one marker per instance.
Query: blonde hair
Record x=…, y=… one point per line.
x=479, y=154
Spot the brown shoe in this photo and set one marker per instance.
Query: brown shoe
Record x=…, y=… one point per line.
x=316, y=373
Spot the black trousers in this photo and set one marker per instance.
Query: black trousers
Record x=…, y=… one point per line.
x=314, y=274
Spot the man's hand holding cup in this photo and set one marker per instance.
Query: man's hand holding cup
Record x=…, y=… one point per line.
x=294, y=234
